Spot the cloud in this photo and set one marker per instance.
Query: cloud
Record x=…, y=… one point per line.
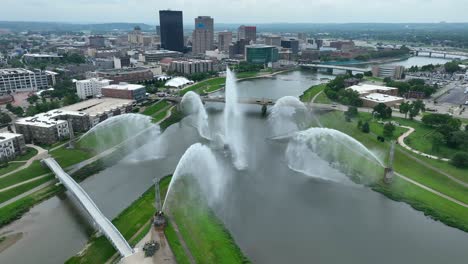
x=238, y=11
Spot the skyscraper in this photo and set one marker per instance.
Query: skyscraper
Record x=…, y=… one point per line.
x=224, y=40
x=248, y=33
x=172, y=32
x=202, y=38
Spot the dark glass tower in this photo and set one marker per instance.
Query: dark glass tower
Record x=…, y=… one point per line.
x=172, y=31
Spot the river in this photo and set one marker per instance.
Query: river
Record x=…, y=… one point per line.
x=280, y=217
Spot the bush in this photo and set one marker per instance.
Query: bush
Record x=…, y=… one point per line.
x=365, y=127
x=460, y=160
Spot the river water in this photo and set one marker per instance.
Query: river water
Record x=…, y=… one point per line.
x=279, y=217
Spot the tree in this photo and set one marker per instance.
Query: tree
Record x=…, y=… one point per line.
x=365, y=127
x=32, y=99
x=4, y=118
x=404, y=108
x=388, y=130
x=466, y=127
x=437, y=140
x=458, y=139
x=387, y=80
x=460, y=160
x=451, y=67
x=359, y=76
x=383, y=111
x=351, y=112
x=368, y=73
x=359, y=124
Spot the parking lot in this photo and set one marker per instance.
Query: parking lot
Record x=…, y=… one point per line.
x=456, y=96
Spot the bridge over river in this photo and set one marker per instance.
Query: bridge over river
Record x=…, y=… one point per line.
x=335, y=67
x=104, y=225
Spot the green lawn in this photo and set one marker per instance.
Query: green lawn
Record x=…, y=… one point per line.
x=11, y=166
x=373, y=79
x=153, y=109
x=323, y=99
x=30, y=152
x=67, y=157
x=159, y=116
x=33, y=171
x=204, y=234
x=311, y=92
x=207, y=85
x=9, y=194
x=242, y=75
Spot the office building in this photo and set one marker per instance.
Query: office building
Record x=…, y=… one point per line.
x=158, y=30
x=90, y=87
x=128, y=75
x=121, y=62
x=237, y=48
x=261, y=54
x=97, y=41
x=203, y=35
x=22, y=80
x=248, y=33
x=11, y=145
x=343, y=45
x=395, y=72
x=135, y=36
x=191, y=66
x=224, y=40
x=134, y=92
x=151, y=56
x=292, y=44
x=273, y=40
x=100, y=109
x=172, y=32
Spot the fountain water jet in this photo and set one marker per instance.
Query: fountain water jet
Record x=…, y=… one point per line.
x=200, y=162
x=234, y=123
x=287, y=116
x=192, y=105
x=330, y=146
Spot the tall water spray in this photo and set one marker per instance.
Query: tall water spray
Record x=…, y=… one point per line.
x=118, y=129
x=199, y=162
x=192, y=105
x=316, y=150
x=234, y=123
x=287, y=116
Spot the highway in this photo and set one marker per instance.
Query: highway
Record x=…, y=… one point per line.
x=104, y=225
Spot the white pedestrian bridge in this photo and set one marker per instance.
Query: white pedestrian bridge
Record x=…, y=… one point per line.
x=104, y=225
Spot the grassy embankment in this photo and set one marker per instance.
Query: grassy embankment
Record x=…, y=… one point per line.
x=157, y=111
x=205, y=86
x=309, y=94
x=437, y=207
x=18, y=161
x=205, y=235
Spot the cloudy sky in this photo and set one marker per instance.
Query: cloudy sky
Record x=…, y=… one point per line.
x=238, y=11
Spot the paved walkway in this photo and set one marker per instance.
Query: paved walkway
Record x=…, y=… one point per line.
x=38, y=188
x=431, y=190
x=401, y=141
x=41, y=153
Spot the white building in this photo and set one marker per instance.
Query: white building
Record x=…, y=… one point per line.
x=11, y=145
x=22, y=80
x=90, y=87
x=191, y=66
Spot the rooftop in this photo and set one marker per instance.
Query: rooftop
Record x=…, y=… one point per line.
x=381, y=98
x=259, y=46
x=124, y=86
x=178, y=82
x=8, y=136
x=370, y=88
x=97, y=106
x=36, y=55
x=48, y=119
x=15, y=71
x=94, y=80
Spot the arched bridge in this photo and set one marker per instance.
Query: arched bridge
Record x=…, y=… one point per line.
x=104, y=225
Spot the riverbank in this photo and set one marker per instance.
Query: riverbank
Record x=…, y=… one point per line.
x=432, y=205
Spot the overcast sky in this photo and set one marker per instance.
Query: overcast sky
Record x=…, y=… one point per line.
x=238, y=11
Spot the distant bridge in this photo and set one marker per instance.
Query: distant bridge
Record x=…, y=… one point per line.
x=430, y=52
x=222, y=99
x=105, y=226
x=334, y=67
